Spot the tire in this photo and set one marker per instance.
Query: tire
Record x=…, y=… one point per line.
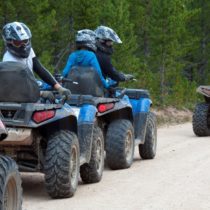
x=10, y=185
x=92, y=172
x=120, y=144
x=201, y=120
x=148, y=149
x=62, y=164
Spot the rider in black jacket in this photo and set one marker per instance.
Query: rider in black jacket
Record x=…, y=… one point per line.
x=105, y=37
x=17, y=38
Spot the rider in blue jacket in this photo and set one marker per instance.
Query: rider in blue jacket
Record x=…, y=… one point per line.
x=84, y=55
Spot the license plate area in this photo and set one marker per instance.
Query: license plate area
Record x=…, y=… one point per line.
x=18, y=136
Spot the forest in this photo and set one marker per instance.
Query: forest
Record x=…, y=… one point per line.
x=166, y=43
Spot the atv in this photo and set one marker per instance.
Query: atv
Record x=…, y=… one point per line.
x=42, y=137
x=201, y=115
x=10, y=186
x=122, y=115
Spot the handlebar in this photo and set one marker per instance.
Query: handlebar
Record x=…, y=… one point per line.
x=69, y=80
x=52, y=97
x=62, y=79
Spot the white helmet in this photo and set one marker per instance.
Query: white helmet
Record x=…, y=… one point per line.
x=106, y=33
x=17, y=38
x=86, y=38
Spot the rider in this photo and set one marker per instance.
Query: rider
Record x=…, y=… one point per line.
x=105, y=37
x=84, y=55
x=17, y=38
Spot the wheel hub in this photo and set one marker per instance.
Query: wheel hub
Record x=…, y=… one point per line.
x=73, y=165
x=128, y=145
x=99, y=154
x=10, y=195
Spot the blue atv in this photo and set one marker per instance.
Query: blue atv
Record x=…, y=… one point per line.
x=122, y=115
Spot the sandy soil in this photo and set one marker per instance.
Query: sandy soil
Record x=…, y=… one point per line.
x=177, y=179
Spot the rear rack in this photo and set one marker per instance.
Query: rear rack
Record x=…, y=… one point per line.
x=20, y=114
x=79, y=100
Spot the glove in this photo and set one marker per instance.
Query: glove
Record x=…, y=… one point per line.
x=111, y=83
x=64, y=92
x=48, y=95
x=128, y=77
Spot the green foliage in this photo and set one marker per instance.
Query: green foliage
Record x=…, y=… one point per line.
x=124, y=56
x=166, y=43
x=86, y=13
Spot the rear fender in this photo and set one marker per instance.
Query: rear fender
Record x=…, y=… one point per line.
x=122, y=106
x=67, y=123
x=124, y=113
x=141, y=109
x=86, y=120
x=141, y=105
x=87, y=114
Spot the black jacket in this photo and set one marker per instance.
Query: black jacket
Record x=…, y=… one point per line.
x=43, y=73
x=107, y=68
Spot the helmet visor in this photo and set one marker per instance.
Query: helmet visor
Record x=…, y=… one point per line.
x=19, y=43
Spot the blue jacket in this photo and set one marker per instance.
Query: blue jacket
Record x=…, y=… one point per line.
x=84, y=58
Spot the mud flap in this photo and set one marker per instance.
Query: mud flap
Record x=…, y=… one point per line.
x=140, y=125
x=85, y=135
x=86, y=121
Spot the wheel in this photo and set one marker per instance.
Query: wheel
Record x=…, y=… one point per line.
x=10, y=185
x=62, y=164
x=201, y=120
x=148, y=149
x=120, y=144
x=92, y=172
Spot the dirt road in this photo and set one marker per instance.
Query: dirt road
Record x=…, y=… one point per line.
x=177, y=179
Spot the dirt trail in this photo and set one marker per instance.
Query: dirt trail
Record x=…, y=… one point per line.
x=177, y=179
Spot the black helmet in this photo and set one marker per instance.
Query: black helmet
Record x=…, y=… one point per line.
x=86, y=38
x=17, y=38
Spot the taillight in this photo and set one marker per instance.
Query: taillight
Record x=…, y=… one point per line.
x=41, y=116
x=105, y=107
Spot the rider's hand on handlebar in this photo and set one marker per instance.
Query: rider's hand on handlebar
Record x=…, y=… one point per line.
x=48, y=95
x=64, y=92
x=129, y=77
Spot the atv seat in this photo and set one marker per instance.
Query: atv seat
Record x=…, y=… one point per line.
x=18, y=83
x=88, y=82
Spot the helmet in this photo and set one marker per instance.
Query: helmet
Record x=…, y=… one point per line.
x=17, y=38
x=86, y=38
x=106, y=33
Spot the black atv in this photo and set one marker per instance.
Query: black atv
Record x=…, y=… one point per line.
x=10, y=185
x=201, y=115
x=42, y=137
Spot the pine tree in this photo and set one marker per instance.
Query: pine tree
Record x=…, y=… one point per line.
x=38, y=17
x=86, y=14
x=168, y=44
x=71, y=16
x=116, y=16
x=198, y=58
